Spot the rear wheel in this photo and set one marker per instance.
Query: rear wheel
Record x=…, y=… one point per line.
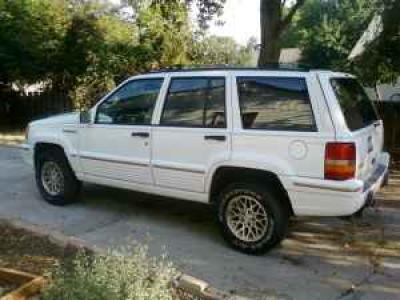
x=55, y=179
x=252, y=217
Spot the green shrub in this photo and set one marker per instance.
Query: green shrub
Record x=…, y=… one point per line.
x=114, y=276
x=90, y=89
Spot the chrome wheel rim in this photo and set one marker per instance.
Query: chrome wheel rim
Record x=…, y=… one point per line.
x=247, y=218
x=52, y=178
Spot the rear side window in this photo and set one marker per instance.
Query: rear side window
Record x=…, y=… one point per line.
x=275, y=103
x=195, y=102
x=357, y=108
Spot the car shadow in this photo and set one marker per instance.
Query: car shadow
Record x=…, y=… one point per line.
x=165, y=211
x=349, y=254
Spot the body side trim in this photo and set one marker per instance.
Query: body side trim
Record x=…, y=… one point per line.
x=176, y=168
x=340, y=186
x=145, y=188
x=112, y=160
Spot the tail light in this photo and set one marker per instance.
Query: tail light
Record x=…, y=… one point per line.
x=340, y=161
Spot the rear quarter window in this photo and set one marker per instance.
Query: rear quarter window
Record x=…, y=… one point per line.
x=275, y=103
x=357, y=108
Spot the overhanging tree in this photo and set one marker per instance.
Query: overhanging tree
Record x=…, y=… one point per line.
x=30, y=36
x=326, y=31
x=207, y=9
x=381, y=61
x=275, y=17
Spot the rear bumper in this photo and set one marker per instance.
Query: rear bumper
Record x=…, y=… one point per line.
x=315, y=197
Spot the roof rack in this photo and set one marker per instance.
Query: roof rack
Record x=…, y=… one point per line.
x=271, y=67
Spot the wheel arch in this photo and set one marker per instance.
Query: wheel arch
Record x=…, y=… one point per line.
x=224, y=175
x=45, y=146
x=71, y=183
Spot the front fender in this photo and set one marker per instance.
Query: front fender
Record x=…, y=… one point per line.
x=53, y=136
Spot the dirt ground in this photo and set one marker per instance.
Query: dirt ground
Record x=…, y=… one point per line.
x=22, y=251
x=6, y=288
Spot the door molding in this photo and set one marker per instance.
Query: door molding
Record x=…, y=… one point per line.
x=112, y=160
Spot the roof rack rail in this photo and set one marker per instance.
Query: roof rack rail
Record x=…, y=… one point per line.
x=190, y=68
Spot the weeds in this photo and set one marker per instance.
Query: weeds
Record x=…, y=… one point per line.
x=113, y=276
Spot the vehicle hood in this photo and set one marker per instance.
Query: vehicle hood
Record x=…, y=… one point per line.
x=69, y=118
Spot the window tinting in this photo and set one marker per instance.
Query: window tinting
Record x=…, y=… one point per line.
x=275, y=103
x=132, y=104
x=357, y=108
x=195, y=102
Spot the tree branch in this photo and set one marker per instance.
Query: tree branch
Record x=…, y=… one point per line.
x=288, y=18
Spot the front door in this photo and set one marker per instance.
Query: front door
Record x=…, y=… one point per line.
x=117, y=145
x=192, y=134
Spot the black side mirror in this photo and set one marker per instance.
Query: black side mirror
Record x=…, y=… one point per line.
x=85, y=117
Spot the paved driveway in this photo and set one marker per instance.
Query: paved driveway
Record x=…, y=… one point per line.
x=322, y=258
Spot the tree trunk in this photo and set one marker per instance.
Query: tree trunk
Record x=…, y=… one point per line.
x=270, y=19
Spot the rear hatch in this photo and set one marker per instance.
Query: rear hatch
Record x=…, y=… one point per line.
x=362, y=121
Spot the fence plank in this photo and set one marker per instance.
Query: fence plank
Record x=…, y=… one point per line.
x=21, y=109
x=390, y=113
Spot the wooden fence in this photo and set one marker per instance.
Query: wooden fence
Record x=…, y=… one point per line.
x=17, y=110
x=390, y=114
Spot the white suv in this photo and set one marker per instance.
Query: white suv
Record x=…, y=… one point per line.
x=260, y=145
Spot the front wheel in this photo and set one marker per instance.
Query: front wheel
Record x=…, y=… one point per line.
x=55, y=179
x=252, y=218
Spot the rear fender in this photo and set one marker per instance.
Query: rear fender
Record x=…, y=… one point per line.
x=272, y=164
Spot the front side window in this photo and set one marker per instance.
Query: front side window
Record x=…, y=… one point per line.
x=195, y=102
x=275, y=103
x=132, y=104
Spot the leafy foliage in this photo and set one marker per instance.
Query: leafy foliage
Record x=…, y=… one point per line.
x=84, y=48
x=31, y=34
x=165, y=33
x=214, y=50
x=206, y=9
x=326, y=31
x=114, y=276
x=381, y=60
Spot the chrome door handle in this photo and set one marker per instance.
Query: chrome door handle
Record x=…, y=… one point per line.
x=140, y=134
x=220, y=138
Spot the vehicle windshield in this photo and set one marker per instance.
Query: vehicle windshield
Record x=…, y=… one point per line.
x=357, y=108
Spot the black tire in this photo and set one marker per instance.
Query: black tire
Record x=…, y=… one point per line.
x=277, y=215
x=71, y=185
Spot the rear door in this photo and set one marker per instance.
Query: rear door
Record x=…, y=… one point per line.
x=357, y=120
x=192, y=134
x=277, y=123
